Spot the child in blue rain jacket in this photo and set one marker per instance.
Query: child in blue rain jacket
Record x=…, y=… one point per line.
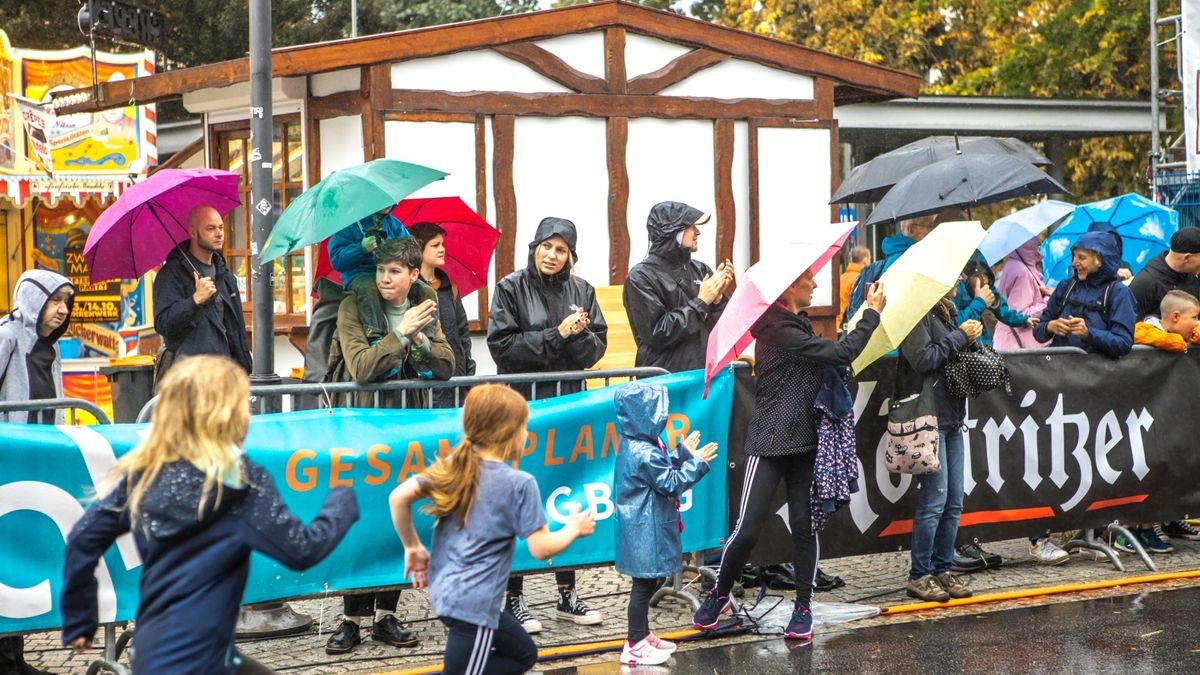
x=648, y=481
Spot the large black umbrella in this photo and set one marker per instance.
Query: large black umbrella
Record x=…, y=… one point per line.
x=870, y=182
x=962, y=182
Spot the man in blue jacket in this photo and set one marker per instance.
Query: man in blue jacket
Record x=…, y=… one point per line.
x=1092, y=310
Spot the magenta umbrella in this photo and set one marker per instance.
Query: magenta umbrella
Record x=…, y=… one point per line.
x=470, y=240
x=762, y=285
x=150, y=218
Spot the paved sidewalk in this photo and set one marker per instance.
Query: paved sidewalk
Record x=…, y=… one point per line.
x=873, y=579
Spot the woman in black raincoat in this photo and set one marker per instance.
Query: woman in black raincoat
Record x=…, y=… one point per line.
x=544, y=319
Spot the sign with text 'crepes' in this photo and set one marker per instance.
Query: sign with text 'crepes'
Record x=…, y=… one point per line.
x=49, y=473
x=1082, y=441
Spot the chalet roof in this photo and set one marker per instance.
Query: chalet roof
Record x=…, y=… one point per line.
x=854, y=81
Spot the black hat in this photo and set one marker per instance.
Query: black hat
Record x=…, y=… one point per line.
x=1186, y=240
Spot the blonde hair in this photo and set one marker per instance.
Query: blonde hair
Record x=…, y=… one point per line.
x=494, y=418
x=201, y=417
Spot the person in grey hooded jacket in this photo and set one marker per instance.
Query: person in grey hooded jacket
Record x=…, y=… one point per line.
x=30, y=365
x=31, y=369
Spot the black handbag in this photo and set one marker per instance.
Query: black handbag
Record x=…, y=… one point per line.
x=975, y=370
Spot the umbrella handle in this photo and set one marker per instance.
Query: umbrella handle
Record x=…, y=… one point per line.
x=178, y=244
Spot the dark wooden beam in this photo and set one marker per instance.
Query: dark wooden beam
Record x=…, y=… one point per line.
x=312, y=145
x=824, y=96
x=678, y=70
x=861, y=80
x=503, y=127
x=599, y=105
x=481, y=205
x=723, y=188
x=753, y=181
x=550, y=66
x=381, y=89
x=617, y=139
x=614, y=60
x=335, y=105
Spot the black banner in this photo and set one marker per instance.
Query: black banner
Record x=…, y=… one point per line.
x=1082, y=441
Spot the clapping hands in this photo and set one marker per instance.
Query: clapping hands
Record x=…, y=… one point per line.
x=692, y=442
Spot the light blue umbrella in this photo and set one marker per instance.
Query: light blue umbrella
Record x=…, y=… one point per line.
x=1008, y=233
x=1145, y=228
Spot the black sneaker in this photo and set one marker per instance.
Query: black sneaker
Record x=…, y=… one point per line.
x=344, y=639
x=390, y=630
x=975, y=558
x=515, y=605
x=827, y=582
x=571, y=608
x=709, y=614
x=1181, y=529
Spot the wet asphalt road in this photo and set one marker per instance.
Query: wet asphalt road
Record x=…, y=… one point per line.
x=1144, y=633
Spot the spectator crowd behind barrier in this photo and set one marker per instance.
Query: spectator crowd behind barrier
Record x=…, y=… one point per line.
x=1069, y=449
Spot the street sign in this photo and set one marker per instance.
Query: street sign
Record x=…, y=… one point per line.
x=124, y=23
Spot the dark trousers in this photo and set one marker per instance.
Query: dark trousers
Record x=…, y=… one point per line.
x=478, y=650
x=639, y=609
x=365, y=604
x=516, y=585
x=763, y=475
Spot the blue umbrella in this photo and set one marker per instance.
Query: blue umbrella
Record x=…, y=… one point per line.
x=1008, y=233
x=1145, y=229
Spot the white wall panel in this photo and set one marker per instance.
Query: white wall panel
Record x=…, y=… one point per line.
x=793, y=190
x=445, y=146
x=341, y=143
x=735, y=78
x=560, y=169
x=646, y=54
x=582, y=51
x=670, y=160
x=324, y=84
x=478, y=70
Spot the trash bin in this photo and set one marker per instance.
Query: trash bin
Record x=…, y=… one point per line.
x=132, y=387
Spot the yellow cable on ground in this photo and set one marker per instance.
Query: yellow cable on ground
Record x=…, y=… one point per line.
x=1046, y=590
x=564, y=650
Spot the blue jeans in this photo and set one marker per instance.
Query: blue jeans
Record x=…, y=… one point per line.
x=939, y=506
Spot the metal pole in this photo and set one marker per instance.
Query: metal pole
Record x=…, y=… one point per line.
x=1154, y=130
x=353, y=18
x=262, y=216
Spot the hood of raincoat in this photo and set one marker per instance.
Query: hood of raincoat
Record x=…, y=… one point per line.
x=34, y=289
x=895, y=244
x=642, y=410
x=550, y=227
x=172, y=508
x=666, y=219
x=1110, y=258
x=1029, y=254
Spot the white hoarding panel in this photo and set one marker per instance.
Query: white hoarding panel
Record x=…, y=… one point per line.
x=793, y=190
x=646, y=54
x=670, y=160
x=582, y=51
x=341, y=143
x=445, y=146
x=560, y=168
x=479, y=70
x=741, y=196
x=735, y=79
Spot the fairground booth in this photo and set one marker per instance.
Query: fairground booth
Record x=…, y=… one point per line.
x=593, y=113
x=57, y=175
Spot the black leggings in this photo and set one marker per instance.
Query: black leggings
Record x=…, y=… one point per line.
x=639, y=609
x=476, y=650
x=763, y=475
x=516, y=584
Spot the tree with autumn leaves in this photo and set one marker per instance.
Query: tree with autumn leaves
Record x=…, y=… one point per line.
x=1075, y=49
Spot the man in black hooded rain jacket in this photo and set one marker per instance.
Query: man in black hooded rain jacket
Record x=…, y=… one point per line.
x=672, y=300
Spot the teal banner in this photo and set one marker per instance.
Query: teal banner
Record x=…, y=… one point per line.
x=50, y=474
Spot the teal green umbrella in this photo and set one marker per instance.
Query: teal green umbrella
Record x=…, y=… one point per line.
x=342, y=198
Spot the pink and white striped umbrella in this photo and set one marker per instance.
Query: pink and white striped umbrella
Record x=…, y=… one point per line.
x=762, y=285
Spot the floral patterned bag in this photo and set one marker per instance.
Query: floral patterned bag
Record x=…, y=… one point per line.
x=911, y=439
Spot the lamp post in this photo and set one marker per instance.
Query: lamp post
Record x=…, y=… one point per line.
x=262, y=209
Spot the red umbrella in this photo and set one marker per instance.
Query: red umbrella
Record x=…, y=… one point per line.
x=470, y=240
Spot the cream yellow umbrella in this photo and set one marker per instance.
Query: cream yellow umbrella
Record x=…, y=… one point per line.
x=915, y=282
